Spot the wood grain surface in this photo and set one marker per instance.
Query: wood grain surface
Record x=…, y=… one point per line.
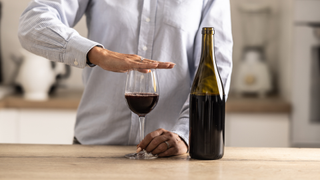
x=107, y=162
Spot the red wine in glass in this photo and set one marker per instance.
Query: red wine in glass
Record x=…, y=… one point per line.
x=141, y=103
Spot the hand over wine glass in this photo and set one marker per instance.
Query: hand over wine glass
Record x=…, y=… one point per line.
x=142, y=94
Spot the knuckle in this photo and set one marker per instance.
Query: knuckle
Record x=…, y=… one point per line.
x=170, y=134
x=133, y=57
x=174, y=143
x=152, y=136
x=159, y=131
x=149, y=136
x=154, y=143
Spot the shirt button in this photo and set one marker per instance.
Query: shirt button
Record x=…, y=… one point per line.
x=147, y=19
x=144, y=48
x=75, y=62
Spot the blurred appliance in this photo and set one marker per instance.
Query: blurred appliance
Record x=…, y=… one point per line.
x=306, y=74
x=37, y=76
x=253, y=74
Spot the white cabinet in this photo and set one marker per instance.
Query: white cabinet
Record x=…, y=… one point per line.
x=257, y=130
x=36, y=126
x=9, y=125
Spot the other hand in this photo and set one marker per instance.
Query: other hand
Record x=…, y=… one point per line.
x=155, y=142
x=118, y=62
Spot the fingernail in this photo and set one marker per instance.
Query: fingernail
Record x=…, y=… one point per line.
x=139, y=149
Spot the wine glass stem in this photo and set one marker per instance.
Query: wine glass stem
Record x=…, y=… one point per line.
x=141, y=123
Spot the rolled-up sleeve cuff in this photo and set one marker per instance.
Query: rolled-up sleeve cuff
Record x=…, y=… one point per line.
x=182, y=129
x=77, y=50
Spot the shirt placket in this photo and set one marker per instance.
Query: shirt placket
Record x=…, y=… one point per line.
x=146, y=36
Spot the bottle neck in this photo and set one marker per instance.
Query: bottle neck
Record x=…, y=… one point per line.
x=207, y=47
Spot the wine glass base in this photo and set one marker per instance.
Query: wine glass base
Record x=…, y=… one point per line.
x=141, y=155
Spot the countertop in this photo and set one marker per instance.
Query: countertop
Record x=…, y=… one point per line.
x=107, y=162
x=71, y=100
x=271, y=104
x=62, y=100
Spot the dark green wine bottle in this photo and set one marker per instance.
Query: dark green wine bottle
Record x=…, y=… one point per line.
x=207, y=105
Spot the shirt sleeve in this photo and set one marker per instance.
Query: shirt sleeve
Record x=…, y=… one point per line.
x=45, y=29
x=216, y=13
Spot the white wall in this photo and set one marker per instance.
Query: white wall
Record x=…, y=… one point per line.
x=11, y=11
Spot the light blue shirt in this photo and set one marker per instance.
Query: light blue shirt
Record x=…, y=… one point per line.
x=163, y=30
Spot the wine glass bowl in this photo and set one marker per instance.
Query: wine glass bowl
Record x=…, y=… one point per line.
x=142, y=95
x=141, y=103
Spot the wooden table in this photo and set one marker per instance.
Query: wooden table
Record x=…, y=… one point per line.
x=107, y=162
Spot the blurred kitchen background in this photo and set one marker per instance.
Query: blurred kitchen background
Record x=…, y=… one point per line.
x=275, y=91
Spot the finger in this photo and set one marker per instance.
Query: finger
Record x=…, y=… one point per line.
x=144, y=65
x=155, y=143
x=172, y=65
x=147, y=61
x=165, y=65
x=139, y=149
x=161, y=148
x=161, y=65
x=144, y=143
x=170, y=152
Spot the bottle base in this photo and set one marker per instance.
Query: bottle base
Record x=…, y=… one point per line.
x=206, y=157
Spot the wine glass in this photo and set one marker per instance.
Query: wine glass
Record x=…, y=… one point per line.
x=142, y=94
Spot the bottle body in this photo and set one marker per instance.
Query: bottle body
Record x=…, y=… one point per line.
x=207, y=106
x=206, y=139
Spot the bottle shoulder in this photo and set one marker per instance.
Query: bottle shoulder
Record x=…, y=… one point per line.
x=207, y=80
